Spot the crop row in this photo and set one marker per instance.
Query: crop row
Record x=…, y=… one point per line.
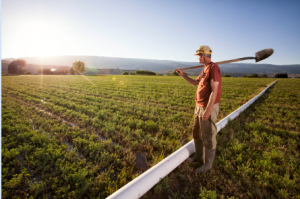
x=108, y=123
x=39, y=163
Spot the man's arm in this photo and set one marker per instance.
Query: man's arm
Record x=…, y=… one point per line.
x=188, y=79
x=212, y=99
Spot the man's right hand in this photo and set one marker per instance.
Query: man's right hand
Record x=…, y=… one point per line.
x=179, y=71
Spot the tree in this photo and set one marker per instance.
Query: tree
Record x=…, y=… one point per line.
x=144, y=72
x=17, y=67
x=78, y=67
x=264, y=76
x=167, y=74
x=63, y=72
x=174, y=73
x=226, y=76
x=131, y=73
x=281, y=75
x=125, y=73
x=46, y=71
x=72, y=71
x=254, y=75
x=158, y=74
x=24, y=71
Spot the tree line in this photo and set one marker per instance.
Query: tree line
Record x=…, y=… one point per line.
x=19, y=67
x=277, y=75
x=47, y=71
x=281, y=75
x=255, y=76
x=140, y=72
x=147, y=72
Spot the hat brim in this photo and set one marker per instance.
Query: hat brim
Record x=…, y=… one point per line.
x=203, y=53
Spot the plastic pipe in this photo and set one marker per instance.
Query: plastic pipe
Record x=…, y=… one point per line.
x=143, y=183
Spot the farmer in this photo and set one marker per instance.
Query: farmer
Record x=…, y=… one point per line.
x=207, y=109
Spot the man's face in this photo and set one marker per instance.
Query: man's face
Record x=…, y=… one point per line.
x=201, y=58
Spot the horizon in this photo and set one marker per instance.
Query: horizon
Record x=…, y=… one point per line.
x=258, y=63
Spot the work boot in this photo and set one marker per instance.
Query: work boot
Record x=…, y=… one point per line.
x=198, y=151
x=209, y=158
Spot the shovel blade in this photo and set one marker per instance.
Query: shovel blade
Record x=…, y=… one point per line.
x=263, y=54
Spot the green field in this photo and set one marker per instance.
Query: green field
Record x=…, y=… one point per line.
x=258, y=154
x=87, y=136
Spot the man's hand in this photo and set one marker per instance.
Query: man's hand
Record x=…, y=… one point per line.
x=187, y=78
x=179, y=71
x=206, y=115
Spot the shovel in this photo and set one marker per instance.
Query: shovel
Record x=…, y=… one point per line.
x=260, y=55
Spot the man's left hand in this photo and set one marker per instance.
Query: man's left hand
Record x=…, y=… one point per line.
x=206, y=115
x=179, y=71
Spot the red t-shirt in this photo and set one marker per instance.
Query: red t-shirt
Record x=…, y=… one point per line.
x=209, y=74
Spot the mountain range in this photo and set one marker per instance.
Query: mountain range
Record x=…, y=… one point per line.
x=93, y=63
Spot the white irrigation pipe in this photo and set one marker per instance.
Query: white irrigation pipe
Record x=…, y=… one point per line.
x=143, y=183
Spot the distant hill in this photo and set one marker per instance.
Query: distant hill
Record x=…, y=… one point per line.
x=240, y=69
x=268, y=69
x=104, y=62
x=160, y=66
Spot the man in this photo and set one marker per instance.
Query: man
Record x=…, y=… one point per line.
x=207, y=109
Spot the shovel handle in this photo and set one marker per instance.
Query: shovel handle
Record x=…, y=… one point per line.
x=222, y=62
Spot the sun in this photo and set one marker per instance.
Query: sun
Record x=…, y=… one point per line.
x=40, y=39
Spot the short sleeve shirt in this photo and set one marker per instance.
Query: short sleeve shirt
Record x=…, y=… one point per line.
x=211, y=73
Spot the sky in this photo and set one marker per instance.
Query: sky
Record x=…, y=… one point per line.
x=156, y=29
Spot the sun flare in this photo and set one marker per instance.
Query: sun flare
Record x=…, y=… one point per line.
x=41, y=39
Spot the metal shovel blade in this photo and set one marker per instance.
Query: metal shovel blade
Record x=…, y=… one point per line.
x=263, y=54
